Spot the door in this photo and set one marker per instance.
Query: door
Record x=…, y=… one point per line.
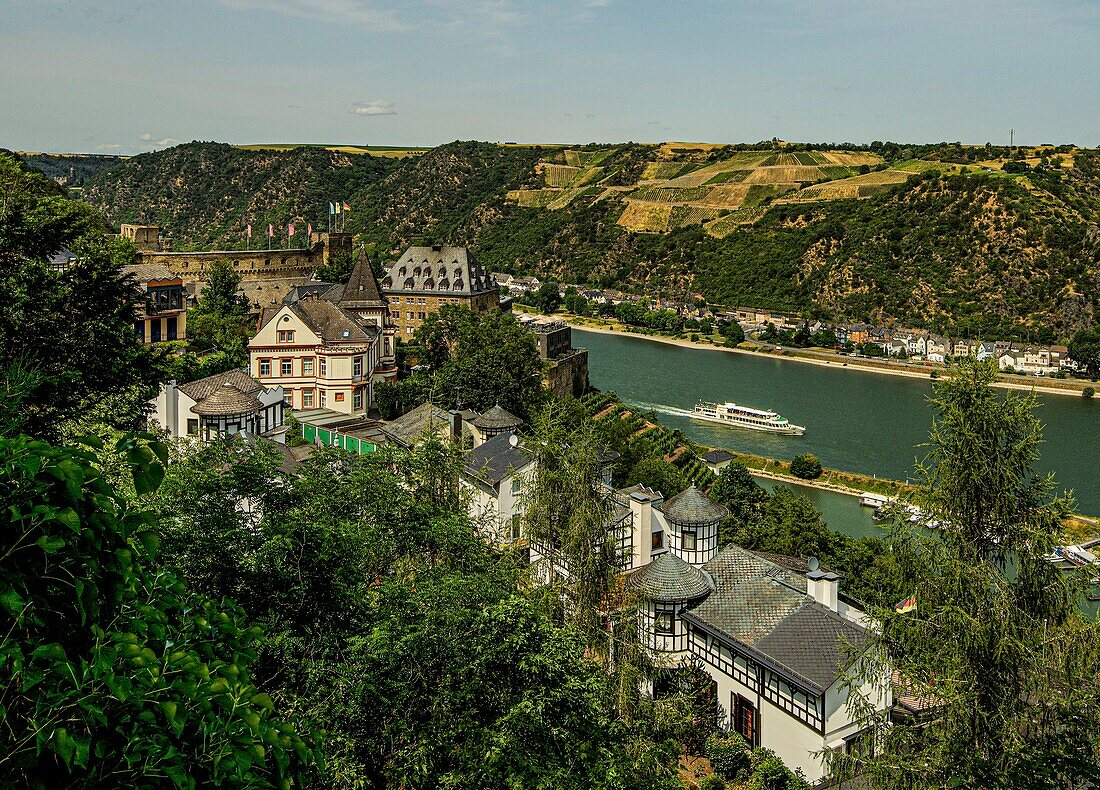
x=171, y=327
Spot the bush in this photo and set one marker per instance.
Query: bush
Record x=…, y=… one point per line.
x=769, y=773
x=807, y=466
x=712, y=782
x=728, y=754
x=1088, y=392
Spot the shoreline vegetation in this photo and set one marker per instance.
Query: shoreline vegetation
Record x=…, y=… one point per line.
x=821, y=357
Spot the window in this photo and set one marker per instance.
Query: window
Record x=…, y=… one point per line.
x=658, y=540
x=386, y=347
x=689, y=540
x=516, y=485
x=286, y=367
x=744, y=719
x=664, y=623
x=420, y=301
x=323, y=365
x=192, y=427
x=357, y=366
x=409, y=315
x=154, y=330
x=408, y=330
x=307, y=366
x=307, y=399
x=420, y=315
x=170, y=326
x=284, y=336
x=265, y=367
x=321, y=397
x=357, y=400
x=139, y=327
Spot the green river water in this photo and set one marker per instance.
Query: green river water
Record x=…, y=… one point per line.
x=855, y=421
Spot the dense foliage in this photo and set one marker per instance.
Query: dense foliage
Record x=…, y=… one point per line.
x=469, y=360
x=114, y=672
x=996, y=647
x=220, y=320
x=67, y=343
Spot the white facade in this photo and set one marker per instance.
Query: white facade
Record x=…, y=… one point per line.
x=173, y=412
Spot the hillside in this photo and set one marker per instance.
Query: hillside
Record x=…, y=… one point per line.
x=944, y=236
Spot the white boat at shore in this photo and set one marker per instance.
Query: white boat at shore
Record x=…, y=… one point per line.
x=744, y=417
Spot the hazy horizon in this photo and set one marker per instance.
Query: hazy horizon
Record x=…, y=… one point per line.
x=129, y=76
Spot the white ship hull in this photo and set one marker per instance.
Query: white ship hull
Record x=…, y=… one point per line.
x=735, y=416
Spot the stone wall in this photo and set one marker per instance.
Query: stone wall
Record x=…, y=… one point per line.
x=256, y=264
x=567, y=376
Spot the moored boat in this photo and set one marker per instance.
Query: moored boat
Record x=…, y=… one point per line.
x=744, y=417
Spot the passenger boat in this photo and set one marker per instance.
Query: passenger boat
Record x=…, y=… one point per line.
x=743, y=417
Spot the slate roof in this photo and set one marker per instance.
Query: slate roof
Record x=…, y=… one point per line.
x=497, y=419
x=717, y=456
x=439, y=269
x=362, y=288
x=144, y=272
x=225, y=401
x=409, y=427
x=692, y=508
x=668, y=578
x=330, y=292
x=201, y=389
x=494, y=459
x=326, y=320
x=763, y=608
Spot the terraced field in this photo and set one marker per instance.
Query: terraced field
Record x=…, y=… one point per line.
x=860, y=186
x=682, y=216
x=724, y=226
x=646, y=217
x=558, y=175
x=785, y=174
x=533, y=198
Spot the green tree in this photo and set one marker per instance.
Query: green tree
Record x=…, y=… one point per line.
x=807, y=466
x=996, y=644
x=547, y=298
x=740, y=494
x=67, y=343
x=1084, y=349
x=220, y=319
x=115, y=673
x=480, y=359
x=653, y=471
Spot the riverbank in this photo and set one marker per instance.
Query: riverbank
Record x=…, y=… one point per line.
x=822, y=359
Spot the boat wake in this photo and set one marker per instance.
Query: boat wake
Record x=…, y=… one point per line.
x=660, y=408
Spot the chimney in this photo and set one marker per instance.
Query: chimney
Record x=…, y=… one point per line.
x=172, y=407
x=456, y=426
x=822, y=586
x=641, y=508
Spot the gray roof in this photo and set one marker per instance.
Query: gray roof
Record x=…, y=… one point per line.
x=763, y=607
x=717, y=456
x=201, y=389
x=326, y=320
x=692, y=508
x=362, y=287
x=426, y=417
x=226, y=401
x=497, y=418
x=493, y=460
x=330, y=292
x=438, y=270
x=668, y=578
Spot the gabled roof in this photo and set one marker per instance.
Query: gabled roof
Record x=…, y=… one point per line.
x=692, y=508
x=362, y=288
x=144, y=272
x=763, y=608
x=330, y=292
x=497, y=419
x=717, y=456
x=326, y=320
x=494, y=459
x=668, y=578
x=438, y=269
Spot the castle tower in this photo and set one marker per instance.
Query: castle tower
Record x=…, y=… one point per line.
x=692, y=519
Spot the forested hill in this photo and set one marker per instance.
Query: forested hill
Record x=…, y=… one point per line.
x=943, y=236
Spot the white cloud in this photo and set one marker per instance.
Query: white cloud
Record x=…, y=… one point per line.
x=109, y=147
x=150, y=141
x=145, y=137
x=373, y=107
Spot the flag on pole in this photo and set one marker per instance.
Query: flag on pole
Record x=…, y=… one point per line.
x=290, y=229
x=331, y=209
x=907, y=605
x=249, y=230
x=347, y=207
x=309, y=230
x=338, y=204
x=270, y=230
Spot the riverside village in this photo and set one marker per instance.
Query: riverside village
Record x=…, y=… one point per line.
x=549, y=396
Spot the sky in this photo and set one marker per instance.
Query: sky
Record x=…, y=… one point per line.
x=127, y=76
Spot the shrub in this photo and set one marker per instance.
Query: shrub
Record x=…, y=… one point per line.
x=1088, y=392
x=728, y=754
x=769, y=773
x=807, y=466
x=712, y=782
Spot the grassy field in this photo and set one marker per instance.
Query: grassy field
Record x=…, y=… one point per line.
x=397, y=152
x=646, y=217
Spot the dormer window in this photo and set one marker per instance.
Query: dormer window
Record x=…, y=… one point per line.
x=458, y=285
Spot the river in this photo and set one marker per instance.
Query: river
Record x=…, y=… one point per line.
x=855, y=420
